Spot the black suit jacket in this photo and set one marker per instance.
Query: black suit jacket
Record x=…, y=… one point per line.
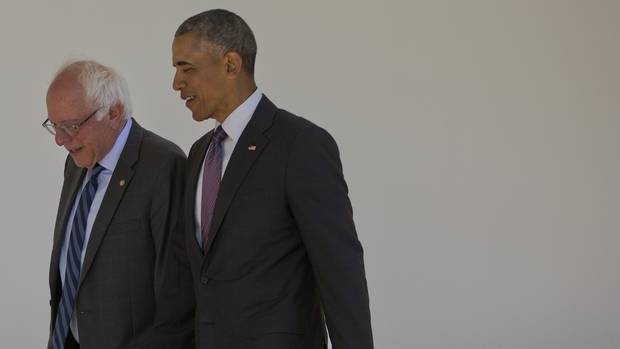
x=131, y=266
x=283, y=255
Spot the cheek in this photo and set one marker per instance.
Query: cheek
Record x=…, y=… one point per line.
x=193, y=82
x=88, y=153
x=210, y=93
x=88, y=147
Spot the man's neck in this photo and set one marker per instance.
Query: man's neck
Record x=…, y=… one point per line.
x=237, y=98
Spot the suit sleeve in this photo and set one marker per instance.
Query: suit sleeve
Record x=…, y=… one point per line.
x=318, y=198
x=174, y=314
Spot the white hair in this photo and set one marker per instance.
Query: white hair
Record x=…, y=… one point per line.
x=103, y=86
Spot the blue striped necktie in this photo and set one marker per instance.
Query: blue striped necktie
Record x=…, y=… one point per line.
x=74, y=264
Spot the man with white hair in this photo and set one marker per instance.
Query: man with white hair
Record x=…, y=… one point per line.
x=115, y=269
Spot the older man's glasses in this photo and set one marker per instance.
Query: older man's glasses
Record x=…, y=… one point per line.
x=66, y=130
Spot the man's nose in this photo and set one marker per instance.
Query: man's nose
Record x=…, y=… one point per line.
x=176, y=83
x=60, y=137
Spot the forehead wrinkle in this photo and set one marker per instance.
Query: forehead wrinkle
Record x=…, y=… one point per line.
x=66, y=96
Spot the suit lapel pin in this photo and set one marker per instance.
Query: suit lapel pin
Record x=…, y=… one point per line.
x=122, y=182
x=252, y=147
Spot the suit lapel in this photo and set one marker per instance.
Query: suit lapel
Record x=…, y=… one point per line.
x=240, y=163
x=113, y=195
x=71, y=186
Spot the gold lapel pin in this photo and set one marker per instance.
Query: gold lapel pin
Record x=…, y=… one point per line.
x=252, y=147
x=122, y=182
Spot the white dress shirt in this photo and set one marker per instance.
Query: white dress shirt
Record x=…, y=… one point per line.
x=233, y=125
x=109, y=164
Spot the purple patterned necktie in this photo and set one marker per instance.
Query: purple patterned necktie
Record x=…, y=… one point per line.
x=211, y=175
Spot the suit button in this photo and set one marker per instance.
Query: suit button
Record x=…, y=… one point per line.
x=204, y=280
x=82, y=313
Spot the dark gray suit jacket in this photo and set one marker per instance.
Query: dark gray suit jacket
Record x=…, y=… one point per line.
x=283, y=255
x=131, y=267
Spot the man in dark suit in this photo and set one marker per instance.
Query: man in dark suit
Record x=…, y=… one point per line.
x=270, y=236
x=115, y=258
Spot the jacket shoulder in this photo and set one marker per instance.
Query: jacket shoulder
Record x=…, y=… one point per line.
x=156, y=146
x=294, y=127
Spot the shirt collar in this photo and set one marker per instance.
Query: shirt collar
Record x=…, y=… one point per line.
x=236, y=122
x=109, y=161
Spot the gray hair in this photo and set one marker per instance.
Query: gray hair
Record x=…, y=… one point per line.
x=226, y=32
x=103, y=86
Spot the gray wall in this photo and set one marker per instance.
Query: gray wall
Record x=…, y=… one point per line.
x=479, y=139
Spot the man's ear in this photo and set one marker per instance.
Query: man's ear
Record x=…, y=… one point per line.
x=116, y=113
x=233, y=63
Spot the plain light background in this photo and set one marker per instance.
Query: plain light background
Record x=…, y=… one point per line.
x=480, y=141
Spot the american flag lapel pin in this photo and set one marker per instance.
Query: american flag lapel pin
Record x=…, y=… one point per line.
x=252, y=147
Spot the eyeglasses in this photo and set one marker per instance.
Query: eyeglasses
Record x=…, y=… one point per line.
x=67, y=130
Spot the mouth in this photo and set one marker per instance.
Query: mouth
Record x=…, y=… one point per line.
x=188, y=99
x=75, y=150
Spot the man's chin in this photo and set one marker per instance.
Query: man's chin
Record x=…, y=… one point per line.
x=79, y=161
x=199, y=117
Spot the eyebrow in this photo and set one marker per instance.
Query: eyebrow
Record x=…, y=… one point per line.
x=69, y=122
x=181, y=63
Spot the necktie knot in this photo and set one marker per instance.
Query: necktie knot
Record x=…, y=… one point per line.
x=96, y=171
x=218, y=135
